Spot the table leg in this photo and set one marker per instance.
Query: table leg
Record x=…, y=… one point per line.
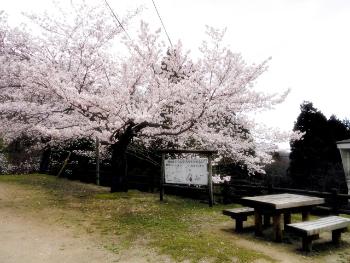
x=277, y=227
x=267, y=221
x=305, y=215
x=287, y=218
x=258, y=223
x=239, y=225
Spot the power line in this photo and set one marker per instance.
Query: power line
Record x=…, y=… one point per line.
x=121, y=25
x=161, y=21
x=115, y=16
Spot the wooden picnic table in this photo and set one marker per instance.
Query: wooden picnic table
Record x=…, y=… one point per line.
x=277, y=204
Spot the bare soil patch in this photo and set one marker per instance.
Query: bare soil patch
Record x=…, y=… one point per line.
x=27, y=238
x=39, y=235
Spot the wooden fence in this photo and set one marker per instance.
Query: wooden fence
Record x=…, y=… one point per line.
x=146, y=178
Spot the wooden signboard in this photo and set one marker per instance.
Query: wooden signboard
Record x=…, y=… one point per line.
x=186, y=171
x=189, y=172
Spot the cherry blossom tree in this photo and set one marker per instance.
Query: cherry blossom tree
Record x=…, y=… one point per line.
x=79, y=76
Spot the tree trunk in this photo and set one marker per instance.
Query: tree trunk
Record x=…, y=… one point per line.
x=119, y=163
x=45, y=160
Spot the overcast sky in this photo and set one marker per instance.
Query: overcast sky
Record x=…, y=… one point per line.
x=308, y=40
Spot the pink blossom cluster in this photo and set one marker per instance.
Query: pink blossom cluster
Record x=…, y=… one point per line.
x=217, y=179
x=3, y=164
x=28, y=166
x=70, y=80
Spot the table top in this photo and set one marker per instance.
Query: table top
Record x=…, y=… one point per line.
x=282, y=201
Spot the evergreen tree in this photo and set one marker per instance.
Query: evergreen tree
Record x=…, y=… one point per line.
x=315, y=161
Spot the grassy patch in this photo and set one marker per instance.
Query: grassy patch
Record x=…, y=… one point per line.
x=181, y=228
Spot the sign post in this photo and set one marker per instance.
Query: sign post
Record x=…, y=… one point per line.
x=162, y=177
x=210, y=181
x=97, y=155
x=191, y=172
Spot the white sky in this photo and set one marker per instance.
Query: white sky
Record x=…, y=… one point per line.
x=308, y=40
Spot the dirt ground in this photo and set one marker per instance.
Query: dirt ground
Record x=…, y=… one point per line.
x=28, y=237
x=24, y=240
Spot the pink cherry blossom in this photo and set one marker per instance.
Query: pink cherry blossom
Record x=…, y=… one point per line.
x=79, y=76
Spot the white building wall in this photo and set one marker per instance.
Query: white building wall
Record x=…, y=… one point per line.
x=345, y=156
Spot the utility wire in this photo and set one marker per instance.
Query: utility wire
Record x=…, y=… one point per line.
x=115, y=16
x=121, y=25
x=161, y=21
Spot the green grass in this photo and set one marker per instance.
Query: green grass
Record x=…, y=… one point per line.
x=176, y=227
x=180, y=228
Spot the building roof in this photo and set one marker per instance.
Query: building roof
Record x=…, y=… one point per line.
x=344, y=145
x=343, y=141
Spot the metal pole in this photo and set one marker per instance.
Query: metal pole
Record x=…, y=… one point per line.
x=97, y=153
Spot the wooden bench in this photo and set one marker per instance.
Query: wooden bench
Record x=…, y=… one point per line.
x=240, y=214
x=310, y=230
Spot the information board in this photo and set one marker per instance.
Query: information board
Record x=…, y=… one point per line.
x=186, y=171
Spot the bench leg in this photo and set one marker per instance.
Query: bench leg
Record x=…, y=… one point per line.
x=287, y=218
x=336, y=234
x=277, y=227
x=307, y=244
x=258, y=223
